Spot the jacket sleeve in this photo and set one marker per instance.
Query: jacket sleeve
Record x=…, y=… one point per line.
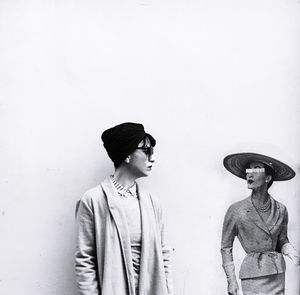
x=282, y=237
x=228, y=235
x=85, y=256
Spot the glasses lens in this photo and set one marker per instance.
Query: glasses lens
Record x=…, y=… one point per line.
x=147, y=150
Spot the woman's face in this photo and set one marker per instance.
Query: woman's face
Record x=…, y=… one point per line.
x=142, y=159
x=255, y=178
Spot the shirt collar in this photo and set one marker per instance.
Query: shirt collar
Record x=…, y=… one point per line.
x=124, y=192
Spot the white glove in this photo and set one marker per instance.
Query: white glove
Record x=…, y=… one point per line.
x=289, y=250
x=233, y=287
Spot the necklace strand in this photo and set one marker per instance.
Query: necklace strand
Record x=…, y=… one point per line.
x=265, y=207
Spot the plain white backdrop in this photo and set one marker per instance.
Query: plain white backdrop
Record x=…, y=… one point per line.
x=206, y=78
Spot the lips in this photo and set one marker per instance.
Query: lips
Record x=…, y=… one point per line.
x=250, y=181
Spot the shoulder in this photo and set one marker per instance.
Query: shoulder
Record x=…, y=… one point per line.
x=93, y=195
x=238, y=206
x=147, y=196
x=236, y=211
x=150, y=199
x=282, y=208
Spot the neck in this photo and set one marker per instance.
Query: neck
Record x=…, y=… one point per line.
x=260, y=195
x=123, y=177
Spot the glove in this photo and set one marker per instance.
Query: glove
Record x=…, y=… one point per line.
x=233, y=287
x=288, y=250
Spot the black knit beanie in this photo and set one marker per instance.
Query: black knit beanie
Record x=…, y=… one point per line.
x=121, y=140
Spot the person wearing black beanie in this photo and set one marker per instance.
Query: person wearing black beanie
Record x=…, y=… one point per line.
x=121, y=140
x=122, y=246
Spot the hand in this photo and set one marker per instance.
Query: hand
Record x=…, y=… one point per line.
x=295, y=259
x=233, y=288
x=290, y=251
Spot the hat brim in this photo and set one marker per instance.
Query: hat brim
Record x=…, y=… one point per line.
x=236, y=164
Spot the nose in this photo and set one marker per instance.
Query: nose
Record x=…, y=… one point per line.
x=249, y=175
x=151, y=158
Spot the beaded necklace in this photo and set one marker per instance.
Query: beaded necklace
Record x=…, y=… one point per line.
x=263, y=208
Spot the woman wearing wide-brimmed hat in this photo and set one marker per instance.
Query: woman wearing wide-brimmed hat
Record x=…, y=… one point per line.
x=260, y=223
x=121, y=247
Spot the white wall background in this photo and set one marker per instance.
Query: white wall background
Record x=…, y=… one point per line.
x=206, y=78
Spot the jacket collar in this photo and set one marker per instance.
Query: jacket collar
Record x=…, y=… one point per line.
x=256, y=218
x=274, y=214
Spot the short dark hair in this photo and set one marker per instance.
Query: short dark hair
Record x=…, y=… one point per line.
x=147, y=139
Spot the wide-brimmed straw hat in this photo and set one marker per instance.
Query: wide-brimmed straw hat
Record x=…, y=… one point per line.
x=237, y=164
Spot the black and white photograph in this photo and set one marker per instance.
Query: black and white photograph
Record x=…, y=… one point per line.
x=149, y=147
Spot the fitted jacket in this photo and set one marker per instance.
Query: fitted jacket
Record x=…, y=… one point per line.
x=103, y=261
x=262, y=241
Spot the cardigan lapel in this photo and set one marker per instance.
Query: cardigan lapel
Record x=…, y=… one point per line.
x=122, y=228
x=152, y=279
x=145, y=239
x=255, y=217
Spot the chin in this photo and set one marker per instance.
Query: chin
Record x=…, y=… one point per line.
x=145, y=174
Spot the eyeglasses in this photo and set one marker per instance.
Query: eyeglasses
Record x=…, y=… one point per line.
x=149, y=151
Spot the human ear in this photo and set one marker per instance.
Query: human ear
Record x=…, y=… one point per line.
x=268, y=178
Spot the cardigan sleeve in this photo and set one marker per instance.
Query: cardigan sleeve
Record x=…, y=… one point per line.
x=85, y=256
x=167, y=256
x=166, y=249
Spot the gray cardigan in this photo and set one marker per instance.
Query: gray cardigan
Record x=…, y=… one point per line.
x=262, y=241
x=103, y=261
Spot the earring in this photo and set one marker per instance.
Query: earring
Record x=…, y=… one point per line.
x=127, y=160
